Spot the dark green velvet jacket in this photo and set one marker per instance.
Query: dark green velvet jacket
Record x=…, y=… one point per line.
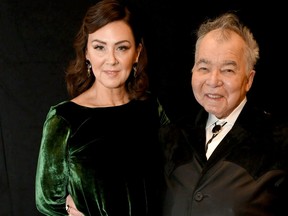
x=108, y=159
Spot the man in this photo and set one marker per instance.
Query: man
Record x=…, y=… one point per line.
x=231, y=160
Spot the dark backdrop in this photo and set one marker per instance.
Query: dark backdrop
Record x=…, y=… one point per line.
x=36, y=43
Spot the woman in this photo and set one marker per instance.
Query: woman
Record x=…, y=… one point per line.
x=100, y=148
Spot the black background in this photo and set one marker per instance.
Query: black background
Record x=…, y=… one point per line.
x=36, y=43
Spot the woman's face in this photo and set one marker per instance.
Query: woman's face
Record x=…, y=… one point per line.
x=111, y=51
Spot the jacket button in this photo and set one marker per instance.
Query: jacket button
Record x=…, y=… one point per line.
x=198, y=196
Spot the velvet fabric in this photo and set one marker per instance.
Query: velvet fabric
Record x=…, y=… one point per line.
x=246, y=175
x=108, y=159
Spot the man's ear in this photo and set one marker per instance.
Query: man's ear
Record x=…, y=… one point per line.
x=250, y=80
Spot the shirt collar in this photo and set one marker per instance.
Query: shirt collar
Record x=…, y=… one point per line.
x=229, y=119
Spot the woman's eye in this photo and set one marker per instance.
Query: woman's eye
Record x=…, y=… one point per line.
x=122, y=48
x=98, y=47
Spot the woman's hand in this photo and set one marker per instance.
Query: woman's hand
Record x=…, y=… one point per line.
x=71, y=208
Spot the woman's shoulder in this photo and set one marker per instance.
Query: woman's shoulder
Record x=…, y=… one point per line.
x=63, y=107
x=67, y=110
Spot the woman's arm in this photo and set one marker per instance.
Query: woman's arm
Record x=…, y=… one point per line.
x=164, y=120
x=52, y=168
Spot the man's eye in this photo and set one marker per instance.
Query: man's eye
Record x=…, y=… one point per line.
x=203, y=69
x=228, y=71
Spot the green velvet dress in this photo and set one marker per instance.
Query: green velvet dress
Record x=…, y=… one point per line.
x=108, y=159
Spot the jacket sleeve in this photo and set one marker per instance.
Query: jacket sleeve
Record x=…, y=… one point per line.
x=52, y=168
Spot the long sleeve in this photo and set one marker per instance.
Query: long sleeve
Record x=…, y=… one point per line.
x=52, y=169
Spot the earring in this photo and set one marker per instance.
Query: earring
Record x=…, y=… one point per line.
x=135, y=69
x=89, y=66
